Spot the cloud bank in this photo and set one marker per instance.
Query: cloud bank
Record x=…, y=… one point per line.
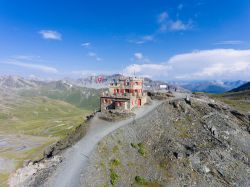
x=30, y=62
x=198, y=65
x=229, y=42
x=39, y=67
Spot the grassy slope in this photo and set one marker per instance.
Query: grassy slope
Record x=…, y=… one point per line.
x=77, y=96
x=41, y=116
x=47, y=113
x=239, y=100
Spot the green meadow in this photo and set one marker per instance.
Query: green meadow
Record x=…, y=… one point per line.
x=32, y=120
x=238, y=100
x=40, y=116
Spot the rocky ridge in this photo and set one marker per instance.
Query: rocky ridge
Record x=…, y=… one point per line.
x=185, y=142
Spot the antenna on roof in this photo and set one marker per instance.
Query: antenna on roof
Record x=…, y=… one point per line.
x=134, y=70
x=122, y=71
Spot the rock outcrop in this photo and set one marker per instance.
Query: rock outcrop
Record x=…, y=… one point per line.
x=185, y=142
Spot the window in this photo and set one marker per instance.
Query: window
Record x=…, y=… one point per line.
x=118, y=103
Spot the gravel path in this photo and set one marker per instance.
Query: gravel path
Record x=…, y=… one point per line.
x=76, y=157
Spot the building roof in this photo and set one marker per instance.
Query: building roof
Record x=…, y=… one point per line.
x=131, y=78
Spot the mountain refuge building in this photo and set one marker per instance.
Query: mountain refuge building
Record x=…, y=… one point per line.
x=124, y=94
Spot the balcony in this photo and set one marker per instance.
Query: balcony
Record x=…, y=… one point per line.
x=122, y=95
x=125, y=86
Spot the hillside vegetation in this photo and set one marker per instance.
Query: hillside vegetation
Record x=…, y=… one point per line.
x=41, y=116
x=31, y=118
x=238, y=98
x=80, y=97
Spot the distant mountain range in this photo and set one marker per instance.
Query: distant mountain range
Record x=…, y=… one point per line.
x=211, y=86
x=80, y=97
x=82, y=92
x=96, y=82
x=243, y=87
x=102, y=81
x=17, y=82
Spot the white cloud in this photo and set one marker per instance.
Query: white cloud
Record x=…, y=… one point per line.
x=86, y=44
x=147, y=70
x=39, y=67
x=215, y=63
x=94, y=55
x=204, y=64
x=138, y=56
x=162, y=17
x=86, y=73
x=143, y=39
x=178, y=25
x=180, y=7
x=50, y=35
x=229, y=42
x=148, y=38
x=91, y=54
x=168, y=24
x=165, y=23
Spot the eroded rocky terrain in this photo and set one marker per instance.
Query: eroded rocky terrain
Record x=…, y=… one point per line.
x=183, y=142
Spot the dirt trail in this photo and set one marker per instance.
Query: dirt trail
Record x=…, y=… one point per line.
x=76, y=157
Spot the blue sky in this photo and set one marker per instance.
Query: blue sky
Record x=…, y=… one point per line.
x=168, y=39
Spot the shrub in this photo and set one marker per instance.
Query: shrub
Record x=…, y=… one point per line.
x=142, y=151
x=133, y=145
x=113, y=177
x=140, y=148
x=140, y=180
x=114, y=162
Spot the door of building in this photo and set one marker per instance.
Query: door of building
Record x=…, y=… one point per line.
x=139, y=102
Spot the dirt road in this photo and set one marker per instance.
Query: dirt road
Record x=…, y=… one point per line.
x=75, y=158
